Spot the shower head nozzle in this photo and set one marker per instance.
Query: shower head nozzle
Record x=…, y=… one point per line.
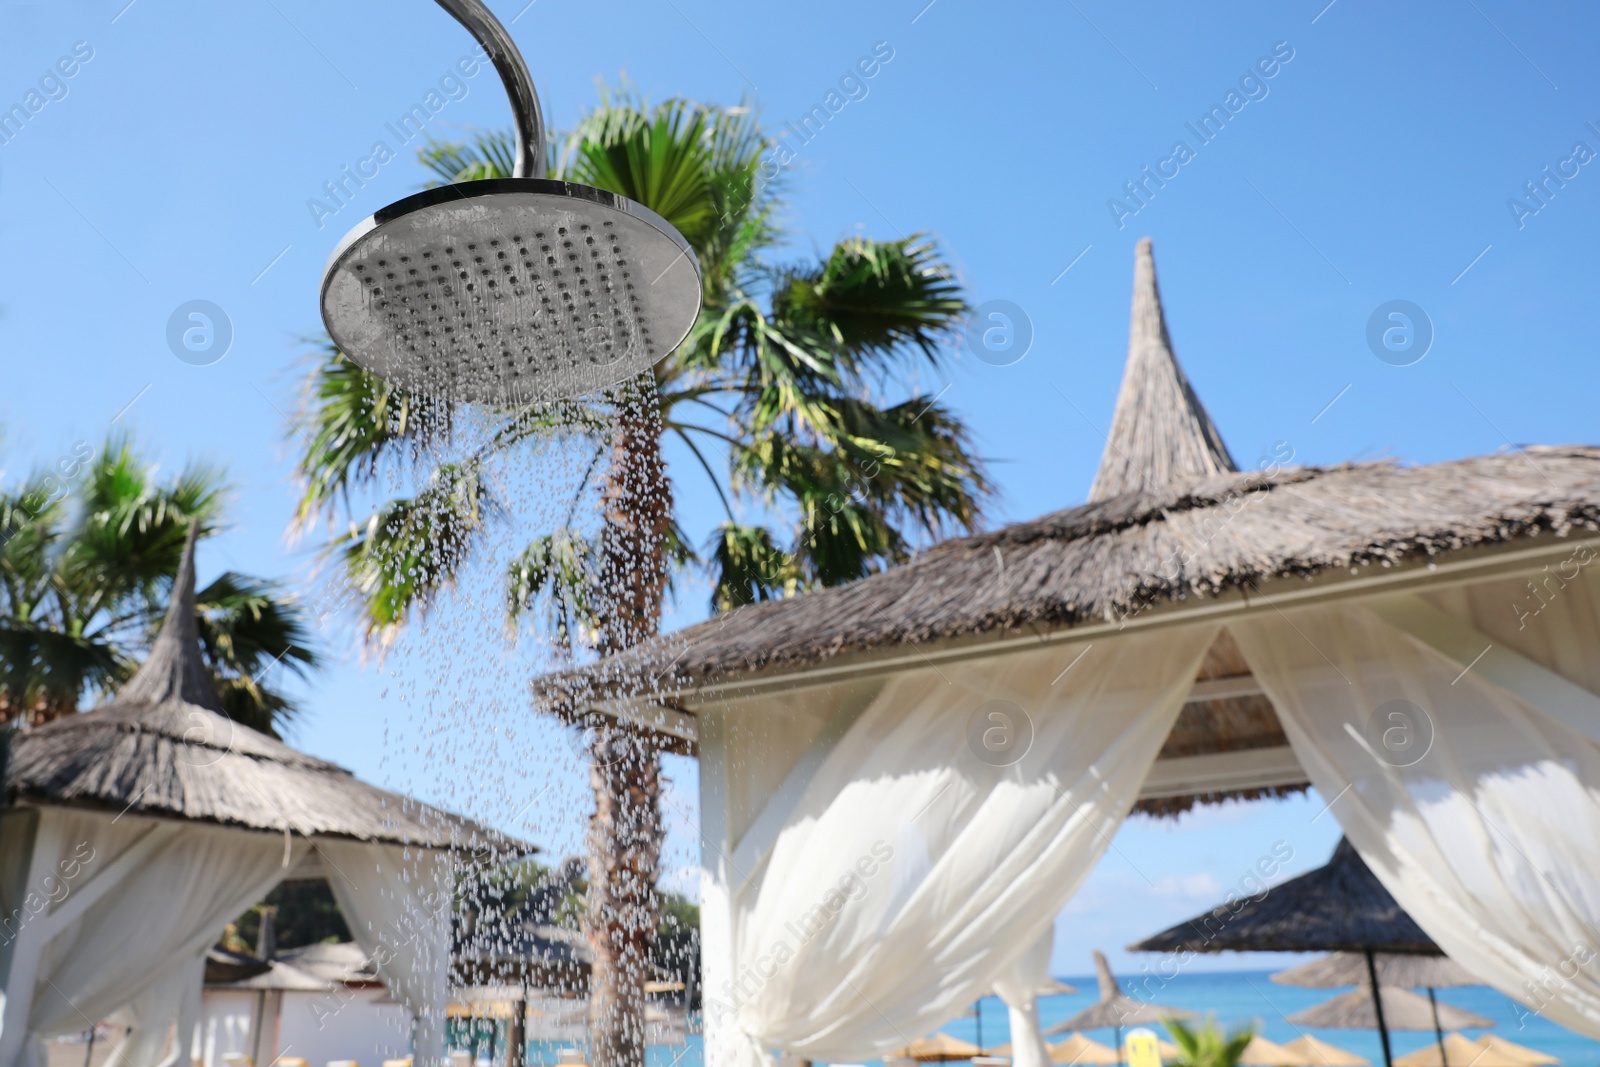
x=510, y=290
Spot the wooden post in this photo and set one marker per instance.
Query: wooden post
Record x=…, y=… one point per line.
x=516, y=1033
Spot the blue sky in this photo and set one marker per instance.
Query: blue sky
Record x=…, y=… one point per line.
x=1376, y=163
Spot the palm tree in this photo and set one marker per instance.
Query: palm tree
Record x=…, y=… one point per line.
x=88, y=552
x=1207, y=1045
x=789, y=396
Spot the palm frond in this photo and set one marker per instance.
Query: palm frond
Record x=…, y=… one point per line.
x=874, y=302
x=247, y=627
x=1207, y=1045
x=747, y=566
x=412, y=548
x=487, y=154
x=351, y=422
x=557, y=571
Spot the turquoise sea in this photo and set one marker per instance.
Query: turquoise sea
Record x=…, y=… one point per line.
x=1238, y=998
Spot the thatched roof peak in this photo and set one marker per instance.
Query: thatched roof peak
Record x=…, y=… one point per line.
x=1160, y=432
x=174, y=669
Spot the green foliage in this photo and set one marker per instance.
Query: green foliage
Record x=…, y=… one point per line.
x=307, y=915
x=777, y=395
x=1206, y=1045
x=88, y=552
x=676, y=952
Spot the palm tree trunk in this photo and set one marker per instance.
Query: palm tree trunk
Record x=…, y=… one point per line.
x=624, y=839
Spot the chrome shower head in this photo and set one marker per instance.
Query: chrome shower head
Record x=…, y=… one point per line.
x=510, y=290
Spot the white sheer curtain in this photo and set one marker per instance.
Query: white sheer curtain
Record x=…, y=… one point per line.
x=124, y=897
x=1019, y=987
x=913, y=871
x=1466, y=774
x=175, y=996
x=397, y=902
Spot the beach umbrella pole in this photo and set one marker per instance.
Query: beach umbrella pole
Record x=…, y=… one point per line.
x=1438, y=1032
x=1377, y=1006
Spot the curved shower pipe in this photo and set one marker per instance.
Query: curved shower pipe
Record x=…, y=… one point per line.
x=502, y=51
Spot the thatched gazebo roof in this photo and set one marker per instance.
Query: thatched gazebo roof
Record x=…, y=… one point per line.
x=1103, y=561
x=1166, y=486
x=162, y=747
x=1172, y=532
x=1339, y=907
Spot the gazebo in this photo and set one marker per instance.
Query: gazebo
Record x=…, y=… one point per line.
x=136, y=831
x=903, y=780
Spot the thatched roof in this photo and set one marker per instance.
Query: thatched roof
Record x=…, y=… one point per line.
x=1115, y=1008
x=1349, y=968
x=1402, y=1010
x=1170, y=527
x=1160, y=432
x=1339, y=907
x=1169, y=519
x=1114, y=558
x=163, y=747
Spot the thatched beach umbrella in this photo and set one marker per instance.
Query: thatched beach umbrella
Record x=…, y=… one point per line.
x=938, y=1048
x=1394, y=1009
x=1339, y=907
x=1263, y=1053
x=1531, y=1057
x=1115, y=1009
x=1076, y=1048
x=1458, y=1051
x=1324, y=1054
x=1407, y=972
